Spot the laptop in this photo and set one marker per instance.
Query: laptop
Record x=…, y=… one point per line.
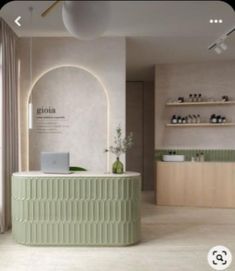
x=55, y=162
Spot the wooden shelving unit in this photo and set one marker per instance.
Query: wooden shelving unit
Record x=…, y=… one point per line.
x=229, y=124
x=200, y=103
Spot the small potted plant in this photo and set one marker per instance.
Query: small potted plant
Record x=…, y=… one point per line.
x=121, y=145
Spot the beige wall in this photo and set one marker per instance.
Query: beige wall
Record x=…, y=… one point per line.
x=104, y=57
x=79, y=114
x=212, y=79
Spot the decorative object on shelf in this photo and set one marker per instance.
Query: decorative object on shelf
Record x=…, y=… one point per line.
x=180, y=99
x=198, y=99
x=223, y=119
x=198, y=118
x=202, y=124
x=213, y=118
x=199, y=157
x=202, y=157
x=195, y=98
x=217, y=119
x=187, y=119
x=225, y=98
x=121, y=145
x=190, y=99
x=174, y=119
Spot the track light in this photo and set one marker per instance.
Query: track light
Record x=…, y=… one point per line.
x=218, y=50
x=223, y=46
x=219, y=44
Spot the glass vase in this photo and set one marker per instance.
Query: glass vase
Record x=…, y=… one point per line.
x=118, y=167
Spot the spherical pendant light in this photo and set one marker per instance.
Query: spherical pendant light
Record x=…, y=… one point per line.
x=86, y=19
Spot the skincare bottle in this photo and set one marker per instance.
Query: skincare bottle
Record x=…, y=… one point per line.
x=225, y=98
x=202, y=157
x=174, y=119
x=198, y=118
x=180, y=99
x=195, y=97
x=199, y=97
x=218, y=119
x=183, y=120
x=194, y=119
x=197, y=157
x=190, y=119
x=213, y=118
x=179, y=120
x=223, y=119
x=190, y=99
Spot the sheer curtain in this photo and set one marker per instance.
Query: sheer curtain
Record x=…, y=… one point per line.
x=9, y=121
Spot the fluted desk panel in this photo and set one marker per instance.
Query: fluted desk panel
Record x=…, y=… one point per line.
x=76, y=209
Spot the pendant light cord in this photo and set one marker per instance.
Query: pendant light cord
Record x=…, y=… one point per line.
x=31, y=52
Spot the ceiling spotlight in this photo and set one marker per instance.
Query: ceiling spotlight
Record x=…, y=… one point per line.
x=219, y=44
x=211, y=21
x=220, y=21
x=218, y=50
x=223, y=46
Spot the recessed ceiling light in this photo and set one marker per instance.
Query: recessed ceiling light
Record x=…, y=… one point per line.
x=220, y=21
x=215, y=21
x=211, y=21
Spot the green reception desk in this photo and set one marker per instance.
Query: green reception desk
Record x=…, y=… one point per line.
x=81, y=209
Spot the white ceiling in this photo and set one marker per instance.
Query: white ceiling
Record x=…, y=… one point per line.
x=156, y=31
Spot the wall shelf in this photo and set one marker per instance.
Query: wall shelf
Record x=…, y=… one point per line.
x=205, y=124
x=200, y=103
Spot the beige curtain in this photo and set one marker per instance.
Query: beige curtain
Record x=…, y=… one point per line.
x=9, y=117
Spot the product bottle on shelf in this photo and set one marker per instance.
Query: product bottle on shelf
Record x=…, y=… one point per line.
x=179, y=120
x=195, y=98
x=202, y=157
x=174, y=119
x=213, y=118
x=219, y=119
x=190, y=119
x=198, y=118
x=194, y=119
x=199, y=97
x=190, y=99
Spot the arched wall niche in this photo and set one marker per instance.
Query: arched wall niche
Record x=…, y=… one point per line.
x=70, y=112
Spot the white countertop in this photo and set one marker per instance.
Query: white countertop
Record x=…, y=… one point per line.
x=75, y=174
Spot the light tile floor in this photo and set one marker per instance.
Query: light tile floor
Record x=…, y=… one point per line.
x=173, y=239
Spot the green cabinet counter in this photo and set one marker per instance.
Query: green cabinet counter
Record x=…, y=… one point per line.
x=83, y=209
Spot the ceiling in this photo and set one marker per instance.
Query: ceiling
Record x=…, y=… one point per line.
x=157, y=31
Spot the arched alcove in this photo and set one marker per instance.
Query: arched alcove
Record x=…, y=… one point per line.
x=70, y=112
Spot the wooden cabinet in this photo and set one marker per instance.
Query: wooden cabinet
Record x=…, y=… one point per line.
x=200, y=184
